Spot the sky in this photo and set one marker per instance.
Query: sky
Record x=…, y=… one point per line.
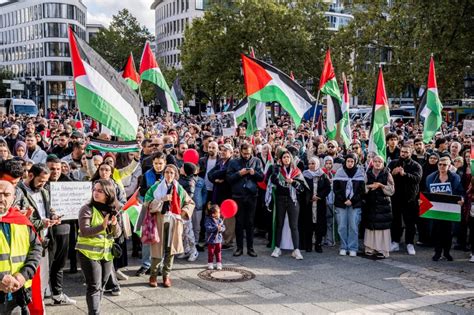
x=101, y=11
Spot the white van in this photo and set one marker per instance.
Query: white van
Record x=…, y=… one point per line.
x=18, y=106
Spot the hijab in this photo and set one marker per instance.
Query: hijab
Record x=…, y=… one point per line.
x=353, y=170
x=316, y=173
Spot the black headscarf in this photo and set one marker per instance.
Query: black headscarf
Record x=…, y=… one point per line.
x=350, y=171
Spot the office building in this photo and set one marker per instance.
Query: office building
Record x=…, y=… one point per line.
x=34, y=47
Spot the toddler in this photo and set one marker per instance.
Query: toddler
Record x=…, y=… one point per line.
x=214, y=228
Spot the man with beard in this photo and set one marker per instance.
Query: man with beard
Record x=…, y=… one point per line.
x=17, y=240
x=333, y=152
x=179, y=159
x=42, y=217
x=13, y=137
x=34, y=151
x=222, y=190
x=243, y=174
x=60, y=240
x=78, y=149
x=64, y=147
x=407, y=176
x=420, y=154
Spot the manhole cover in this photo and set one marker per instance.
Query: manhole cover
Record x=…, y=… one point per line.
x=226, y=275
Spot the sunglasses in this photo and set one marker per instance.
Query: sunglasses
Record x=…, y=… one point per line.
x=442, y=164
x=331, y=146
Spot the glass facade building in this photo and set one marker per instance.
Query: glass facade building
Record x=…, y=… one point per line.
x=34, y=47
x=171, y=19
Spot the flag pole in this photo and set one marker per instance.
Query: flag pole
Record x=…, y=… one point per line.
x=315, y=108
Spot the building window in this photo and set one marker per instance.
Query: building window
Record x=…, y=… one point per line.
x=62, y=68
x=199, y=4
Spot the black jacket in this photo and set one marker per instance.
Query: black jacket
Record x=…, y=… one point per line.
x=222, y=191
x=378, y=208
x=324, y=188
x=339, y=188
x=188, y=183
x=244, y=186
x=406, y=187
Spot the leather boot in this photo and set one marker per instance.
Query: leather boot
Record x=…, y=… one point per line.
x=166, y=281
x=153, y=282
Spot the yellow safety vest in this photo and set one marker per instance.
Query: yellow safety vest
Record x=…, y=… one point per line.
x=13, y=254
x=99, y=246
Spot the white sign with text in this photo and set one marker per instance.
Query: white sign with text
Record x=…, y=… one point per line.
x=67, y=198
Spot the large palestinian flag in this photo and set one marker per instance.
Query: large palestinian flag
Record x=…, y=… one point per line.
x=265, y=83
x=150, y=71
x=101, y=92
x=131, y=75
x=440, y=207
x=432, y=109
x=380, y=119
x=328, y=86
x=345, y=125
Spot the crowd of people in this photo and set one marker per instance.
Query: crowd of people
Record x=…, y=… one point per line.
x=293, y=187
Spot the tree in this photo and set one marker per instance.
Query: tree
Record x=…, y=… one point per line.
x=124, y=35
x=402, y=37
x=293, y=38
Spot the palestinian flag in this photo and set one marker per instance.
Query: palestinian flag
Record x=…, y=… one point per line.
x=112, y=146
x=131, y=75
x=380, y=118
x=253, y=112
x=265, y=83
x=345, y=125
x=176, y=90
x=150, y=71
x=472, y=157
x=328, y=86
x=440, y=207
x=433, y=107
x=133, y=208
x=101, y=92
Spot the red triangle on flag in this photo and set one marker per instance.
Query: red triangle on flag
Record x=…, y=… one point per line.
x=132, y=201
x=77, y=66
x=255, y=76
x=432, y=75
x=381, y=96
x=129, y=71
x=425, y=204
x=148, y=59
x=328, y=70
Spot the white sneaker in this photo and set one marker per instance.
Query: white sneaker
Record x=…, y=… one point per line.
x=210, y=266
x=411, y=249
x=276, y=252
x=297, y=254
x=194, y=255
x=395, y=247
x=219, y=266
x=353, y=253
x=120, y=275
x=63, y=299
x=342, y=252
x=472, y=259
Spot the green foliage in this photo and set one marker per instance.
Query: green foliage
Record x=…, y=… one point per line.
x=124, y=35
x=294, y=39
x=408, y=31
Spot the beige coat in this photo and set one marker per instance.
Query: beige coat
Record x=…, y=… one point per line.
x=157, y=250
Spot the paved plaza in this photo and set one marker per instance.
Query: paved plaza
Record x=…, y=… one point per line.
x=320, y=284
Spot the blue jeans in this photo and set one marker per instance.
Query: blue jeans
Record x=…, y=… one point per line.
x=348, y=220
x=146, y=258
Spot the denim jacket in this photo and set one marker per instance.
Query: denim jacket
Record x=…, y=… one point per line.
x=213, y=236
x=200, y=194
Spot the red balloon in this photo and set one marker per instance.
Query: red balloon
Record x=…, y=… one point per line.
x=191, y=156
x=229, y=208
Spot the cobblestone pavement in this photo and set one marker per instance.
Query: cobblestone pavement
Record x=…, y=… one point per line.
x=319, y=284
